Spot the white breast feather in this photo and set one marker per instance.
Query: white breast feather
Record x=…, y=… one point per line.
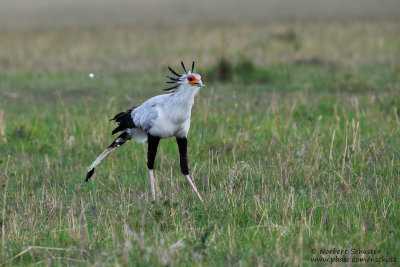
x=138, y=135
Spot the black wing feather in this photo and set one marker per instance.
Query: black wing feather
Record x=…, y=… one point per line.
x=124, y=120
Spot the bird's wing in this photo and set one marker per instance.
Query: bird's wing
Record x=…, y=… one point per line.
x=145, y=115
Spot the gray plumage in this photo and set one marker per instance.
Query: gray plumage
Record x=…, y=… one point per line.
x=144, y=115
x=166, y=115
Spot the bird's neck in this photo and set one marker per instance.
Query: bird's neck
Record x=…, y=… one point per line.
x=184, y=95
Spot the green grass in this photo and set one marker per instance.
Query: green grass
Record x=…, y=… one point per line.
x=304, y=155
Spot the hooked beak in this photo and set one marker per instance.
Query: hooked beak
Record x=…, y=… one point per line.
x=199, y=83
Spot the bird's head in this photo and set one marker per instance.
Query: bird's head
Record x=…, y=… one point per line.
x=188, y=78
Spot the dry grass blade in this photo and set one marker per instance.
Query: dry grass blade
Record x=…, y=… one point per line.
x=45, y=248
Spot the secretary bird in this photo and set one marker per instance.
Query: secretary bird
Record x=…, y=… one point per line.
x=160, y=117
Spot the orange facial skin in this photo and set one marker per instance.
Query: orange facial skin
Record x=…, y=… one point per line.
x=192, y=80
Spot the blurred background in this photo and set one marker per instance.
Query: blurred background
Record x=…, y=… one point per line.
x=74, y=35
x=61, y=13
x=295, y=136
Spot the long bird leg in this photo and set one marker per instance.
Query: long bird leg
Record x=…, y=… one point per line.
x=153, y=191
x=152, y=144
x=182, y=145
x=194, y=187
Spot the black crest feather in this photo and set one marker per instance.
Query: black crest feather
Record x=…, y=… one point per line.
x=176, y=79
x=172, y=88
x=183, y=66
x=173, y=79
x=173, y=72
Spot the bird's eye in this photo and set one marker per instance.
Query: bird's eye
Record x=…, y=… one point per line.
x=190, y=78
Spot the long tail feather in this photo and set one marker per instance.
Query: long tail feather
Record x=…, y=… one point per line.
x=121, y=139
x=97, y=162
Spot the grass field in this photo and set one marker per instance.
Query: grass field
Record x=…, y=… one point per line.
x=294, y=145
